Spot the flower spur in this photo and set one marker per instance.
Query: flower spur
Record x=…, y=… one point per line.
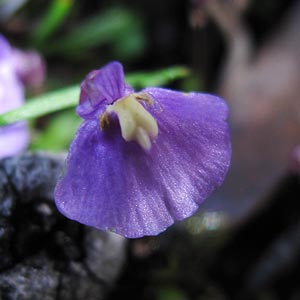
x=140, y=161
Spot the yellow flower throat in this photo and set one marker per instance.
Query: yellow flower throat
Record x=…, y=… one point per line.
x=136, y=123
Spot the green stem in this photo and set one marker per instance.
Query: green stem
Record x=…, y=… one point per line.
x=42, y=105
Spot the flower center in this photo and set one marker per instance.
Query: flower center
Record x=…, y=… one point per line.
x=136, y=123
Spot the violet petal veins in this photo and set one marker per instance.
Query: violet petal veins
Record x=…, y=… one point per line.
x=142, y=160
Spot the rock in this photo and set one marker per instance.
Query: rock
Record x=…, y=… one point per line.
x=33, y=279
x=43, y=255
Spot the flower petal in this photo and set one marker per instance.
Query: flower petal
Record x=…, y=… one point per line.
x=5, y=49
x=113, y=184
x=101, y=87
x=11, y=89
x=29, y=67
x=194, y=133
x=13, y=139
x=103, y=185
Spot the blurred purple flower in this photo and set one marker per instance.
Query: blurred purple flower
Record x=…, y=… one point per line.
x=142, y=160
x=30, y=67
x=17, y=68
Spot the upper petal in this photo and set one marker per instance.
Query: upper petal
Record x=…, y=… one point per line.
x=114, y=184
x=101, y=87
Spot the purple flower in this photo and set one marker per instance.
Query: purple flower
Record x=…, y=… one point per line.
x=16, y=69
x=142, y=160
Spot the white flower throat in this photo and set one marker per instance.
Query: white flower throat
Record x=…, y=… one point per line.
x=136, y=123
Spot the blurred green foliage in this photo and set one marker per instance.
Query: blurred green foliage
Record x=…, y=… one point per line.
x=118, y=27
x=58, y=133
x=170, y=293
x=54, y=16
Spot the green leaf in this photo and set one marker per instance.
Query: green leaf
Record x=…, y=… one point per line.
x=68, y=97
